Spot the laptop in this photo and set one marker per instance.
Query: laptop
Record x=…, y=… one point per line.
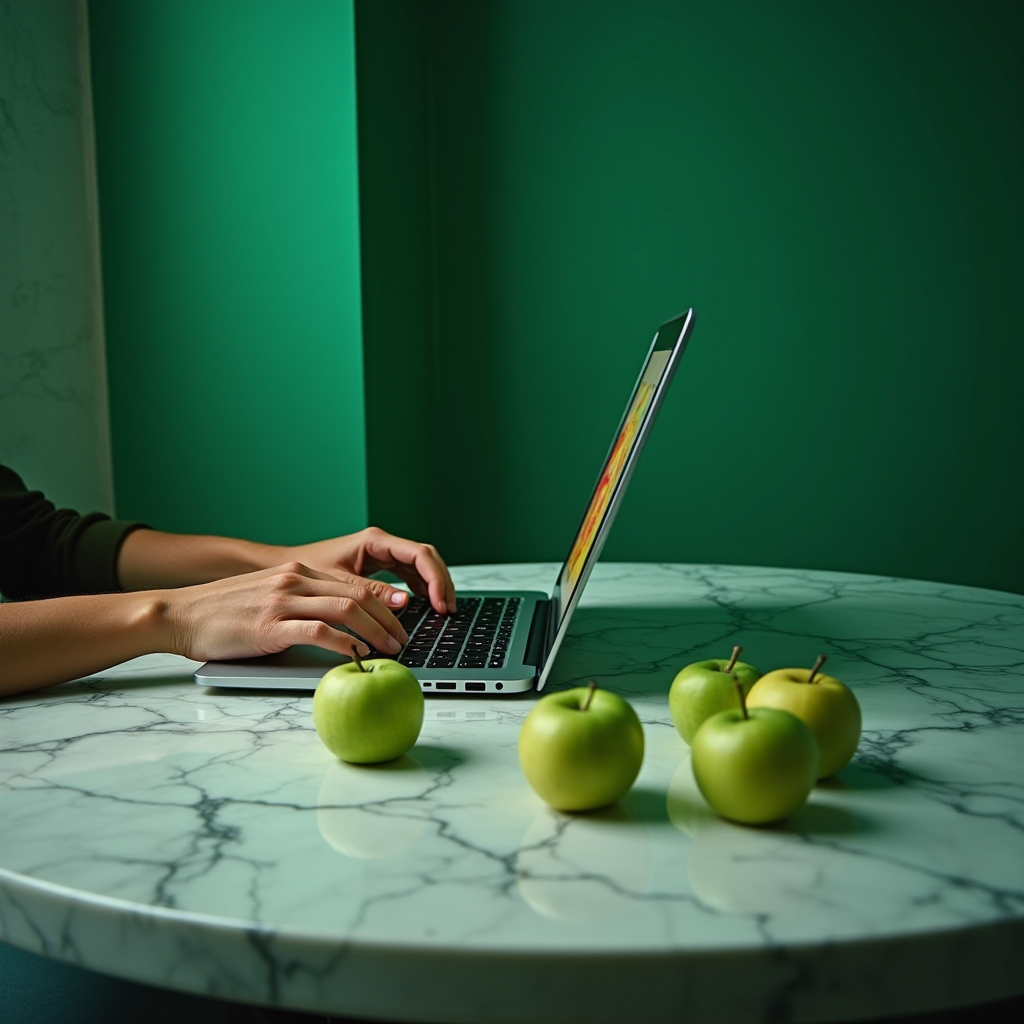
x=497, y=642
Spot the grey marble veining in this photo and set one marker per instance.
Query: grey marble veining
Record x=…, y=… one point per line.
x=206, y=840
x=53, y=395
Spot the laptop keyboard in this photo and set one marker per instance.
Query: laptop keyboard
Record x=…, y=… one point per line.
x=476, y=636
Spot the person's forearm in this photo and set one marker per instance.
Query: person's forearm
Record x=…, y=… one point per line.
x=52, y=641
x=150, y=559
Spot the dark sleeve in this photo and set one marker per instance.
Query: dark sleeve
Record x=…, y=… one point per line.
x=51, y=552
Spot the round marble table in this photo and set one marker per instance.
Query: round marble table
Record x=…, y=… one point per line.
x=205, y=840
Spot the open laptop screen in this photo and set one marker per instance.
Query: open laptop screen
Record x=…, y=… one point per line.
x=628, y=441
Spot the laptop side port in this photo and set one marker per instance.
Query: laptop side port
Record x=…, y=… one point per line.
x=476, y=686
x=444, y=686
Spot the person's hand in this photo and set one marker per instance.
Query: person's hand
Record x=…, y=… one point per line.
x=372, y=550
x=268, y=611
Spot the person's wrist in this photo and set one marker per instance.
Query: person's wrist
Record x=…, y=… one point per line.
x=253, y=556
x=154, y=623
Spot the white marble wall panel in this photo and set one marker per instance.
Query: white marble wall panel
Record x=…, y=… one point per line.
x=53, y=396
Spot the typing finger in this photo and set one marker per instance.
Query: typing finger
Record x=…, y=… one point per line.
x=290, y=632
x=356, y=615
x=421, y=566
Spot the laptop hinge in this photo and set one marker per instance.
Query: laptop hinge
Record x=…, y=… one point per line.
x=536, y=642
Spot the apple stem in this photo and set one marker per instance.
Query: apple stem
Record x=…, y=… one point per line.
x=822, y=658
x=357, y=660
x=591, y=689
x=736, y=652
x=742, y=696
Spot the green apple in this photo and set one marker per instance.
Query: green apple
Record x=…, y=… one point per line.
x=581, y=749
x=740, y=870
x=824, y=704
x=368, y=711
x=755, y=766
x=706, y=687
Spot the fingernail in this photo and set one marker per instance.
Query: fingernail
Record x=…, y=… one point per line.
x=393, y=645
x=363, y=650
x=398, y=597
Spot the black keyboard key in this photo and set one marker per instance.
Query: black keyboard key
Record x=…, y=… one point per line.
x=475, y=636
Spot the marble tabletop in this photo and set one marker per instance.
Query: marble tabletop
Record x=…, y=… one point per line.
x=206, y=841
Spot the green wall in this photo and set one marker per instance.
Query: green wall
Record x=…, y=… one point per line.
x=835, y=187
x=401, y=340
x=229, y=206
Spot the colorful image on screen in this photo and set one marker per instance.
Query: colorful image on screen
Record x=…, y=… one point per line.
x=613, y=469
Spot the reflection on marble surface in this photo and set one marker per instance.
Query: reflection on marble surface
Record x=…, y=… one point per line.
x=372, y=812
x=758, y=871
x=206, y=840
x=584, y=867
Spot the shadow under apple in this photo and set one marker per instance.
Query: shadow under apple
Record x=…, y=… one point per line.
x=644, y=805
x=857, y=775
x=438, y=756
x=757, y=870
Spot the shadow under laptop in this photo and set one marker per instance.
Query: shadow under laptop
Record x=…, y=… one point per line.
x=637, y=650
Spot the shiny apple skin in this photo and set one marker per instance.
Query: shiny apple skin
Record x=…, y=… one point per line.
x=578, y=760
x=755, y=770
x=827, y=706
x=703, y=689
x=371, y=716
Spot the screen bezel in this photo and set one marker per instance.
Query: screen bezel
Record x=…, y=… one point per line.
x=672, y=336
